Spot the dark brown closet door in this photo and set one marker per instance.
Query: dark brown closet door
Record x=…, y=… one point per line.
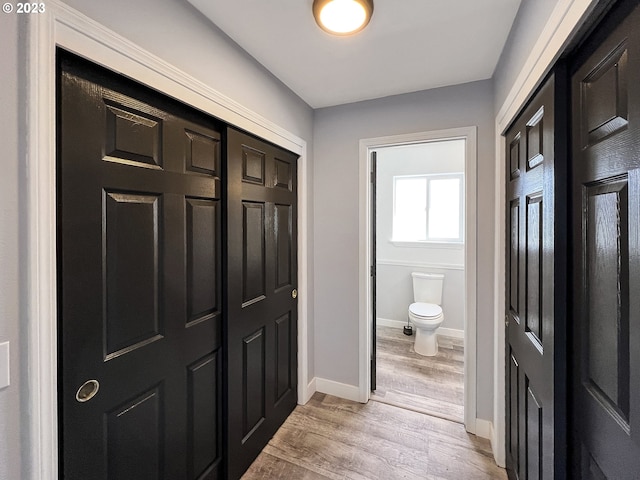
x=606, y=241
x=139, y=282
x=261, y=295
x=374, y=266
x=535, y=283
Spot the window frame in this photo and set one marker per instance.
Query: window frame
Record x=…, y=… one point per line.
x=432, y=241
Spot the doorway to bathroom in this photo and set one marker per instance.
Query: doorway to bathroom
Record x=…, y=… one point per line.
x=421, y=220
x=419, y=209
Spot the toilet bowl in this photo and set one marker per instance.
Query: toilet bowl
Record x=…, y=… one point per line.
x=426, y=318
x=426, y=313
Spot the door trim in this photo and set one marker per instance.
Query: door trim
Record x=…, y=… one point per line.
x=470, y=246
x=562, y=26
x=65, y=27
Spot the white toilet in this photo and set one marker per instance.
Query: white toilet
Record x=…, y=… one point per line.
x=426, y=313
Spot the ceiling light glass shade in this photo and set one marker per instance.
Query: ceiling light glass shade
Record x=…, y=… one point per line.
x=342, y=17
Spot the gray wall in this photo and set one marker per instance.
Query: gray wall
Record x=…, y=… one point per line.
x=337, y=131
x=530, y=21
x=11, y=409
x=174, y=31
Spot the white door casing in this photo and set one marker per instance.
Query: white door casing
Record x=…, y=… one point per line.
x=469, y=134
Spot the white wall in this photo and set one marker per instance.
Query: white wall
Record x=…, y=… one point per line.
x=397, y=261
x=174, y=31
x=337, y=131
x=11, y=315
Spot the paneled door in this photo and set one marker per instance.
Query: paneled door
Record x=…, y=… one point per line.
x=139, y=262
x=606, y=241
x=262, y=276
x=535, y=266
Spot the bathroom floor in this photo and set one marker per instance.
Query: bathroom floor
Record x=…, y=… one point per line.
x=433, y=385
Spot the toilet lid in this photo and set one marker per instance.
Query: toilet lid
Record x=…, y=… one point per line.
x=426, y=310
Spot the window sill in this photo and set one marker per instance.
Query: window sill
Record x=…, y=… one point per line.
x=427, y=244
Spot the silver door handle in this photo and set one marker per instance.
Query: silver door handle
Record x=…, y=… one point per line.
x=87, y=391
x=294, y=293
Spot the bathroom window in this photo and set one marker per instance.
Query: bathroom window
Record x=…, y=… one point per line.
x=428, y=208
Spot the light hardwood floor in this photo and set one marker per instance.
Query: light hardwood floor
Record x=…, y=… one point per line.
x=432, y=385
x=332, y=438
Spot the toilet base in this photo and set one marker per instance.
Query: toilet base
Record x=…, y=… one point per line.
x=426, y=342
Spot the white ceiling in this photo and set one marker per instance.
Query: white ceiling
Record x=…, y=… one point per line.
x=409, y=45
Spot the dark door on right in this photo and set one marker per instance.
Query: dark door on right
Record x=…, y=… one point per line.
x=535, y=283
x=262, y=275
x=606, y=241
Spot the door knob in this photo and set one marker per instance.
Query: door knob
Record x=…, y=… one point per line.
x=294, y=293
x=87, y=391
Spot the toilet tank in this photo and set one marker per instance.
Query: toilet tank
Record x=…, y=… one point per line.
x=427, y=287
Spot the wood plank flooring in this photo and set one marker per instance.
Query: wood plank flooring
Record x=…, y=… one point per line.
x=332, y=438
x=433, y=385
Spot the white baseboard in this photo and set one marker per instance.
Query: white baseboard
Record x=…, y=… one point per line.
x=484, y=428
x=495, y=445
x=337, y=389
x=447, y=332
x=451, y=332
x=311, y=389
x=387, y=322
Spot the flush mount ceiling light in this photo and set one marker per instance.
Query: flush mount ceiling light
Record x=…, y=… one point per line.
x=342, y=17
